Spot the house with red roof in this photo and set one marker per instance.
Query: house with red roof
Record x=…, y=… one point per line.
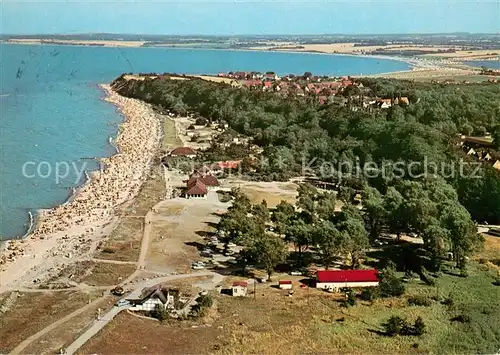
x=334, y=280
x=239, y=289
x=183, y=152
x=196, y=189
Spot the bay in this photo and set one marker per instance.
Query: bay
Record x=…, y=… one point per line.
x=52, y=114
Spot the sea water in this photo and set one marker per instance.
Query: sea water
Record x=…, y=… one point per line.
x=52, y=116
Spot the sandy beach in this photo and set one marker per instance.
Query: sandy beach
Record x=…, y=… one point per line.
x=71, y=231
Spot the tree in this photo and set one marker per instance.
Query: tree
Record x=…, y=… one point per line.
x=300, y=234
x=307, y=196
x=282, y=216
x=261, y=212
x=326, y=206
x=270, y=250
x=346, y=194
x=390, y=285
x=396, y=216
x=461, y=231
x=353, y=240
x=373, y=204
x=307, y=75
x=496, y=137
x=326, y=237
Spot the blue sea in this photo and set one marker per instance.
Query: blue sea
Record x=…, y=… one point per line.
x=53, y=119
x=490, y=64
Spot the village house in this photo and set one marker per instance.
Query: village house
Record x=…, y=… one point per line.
x=239, y=289
x=471, y=152
x=384, y=103
x=151, y=298
x=207, y=179
x=196, y=190
x=285, y=284
x=334, y=280
x=401, y=101
x=496, y=165
x=183, y=152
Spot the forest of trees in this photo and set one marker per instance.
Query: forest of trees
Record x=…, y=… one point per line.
x=429, y=210
x=296, y=130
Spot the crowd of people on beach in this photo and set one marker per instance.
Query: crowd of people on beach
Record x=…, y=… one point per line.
x=118, y=180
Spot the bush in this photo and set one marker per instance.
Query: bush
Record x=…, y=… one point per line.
x=201, y=121
x=427, y=278
x=159, y=313
x=497, y=282
x=419, y=300
x=449, y=301
x=399, y=326
x=205, y=301
x=391, y=285
x=419, y=326
x=370, y=293
x=394, y=325
x=350, y=298
x=461, y=318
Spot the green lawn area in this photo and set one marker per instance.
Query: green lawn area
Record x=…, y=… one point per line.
x=313, y=321
x=474, y=296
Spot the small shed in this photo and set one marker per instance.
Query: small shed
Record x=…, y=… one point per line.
x=285, y=284
x=239, y=289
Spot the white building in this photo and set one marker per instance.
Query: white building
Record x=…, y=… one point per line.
x=334, y=280
x=285, y=284
x=239, y=289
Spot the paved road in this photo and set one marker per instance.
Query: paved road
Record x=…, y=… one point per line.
x=98, y=325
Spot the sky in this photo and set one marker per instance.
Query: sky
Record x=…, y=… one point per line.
x=225, y=17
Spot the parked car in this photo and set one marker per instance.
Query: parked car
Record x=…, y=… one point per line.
x=206, y=253
x=122, y=303
x=199, y=265
x=296, y=273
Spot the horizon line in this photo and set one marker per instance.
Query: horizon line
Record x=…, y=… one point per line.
x=251, y=35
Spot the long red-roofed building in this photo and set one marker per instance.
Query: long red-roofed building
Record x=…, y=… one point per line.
x=337, y=279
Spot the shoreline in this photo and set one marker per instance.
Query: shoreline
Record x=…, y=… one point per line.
x=74, y=228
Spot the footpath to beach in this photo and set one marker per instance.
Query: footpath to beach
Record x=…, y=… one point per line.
x=73, y=230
